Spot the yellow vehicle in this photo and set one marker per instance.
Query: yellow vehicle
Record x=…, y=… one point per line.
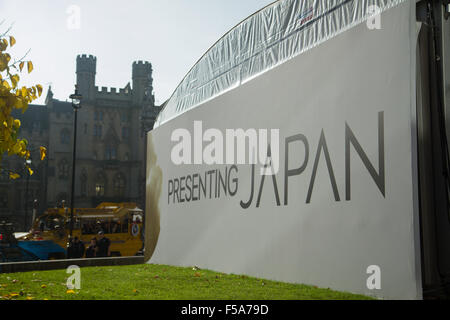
x=121, y=223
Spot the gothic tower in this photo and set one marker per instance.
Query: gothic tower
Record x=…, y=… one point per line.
x=86, y=71
x=142, y=83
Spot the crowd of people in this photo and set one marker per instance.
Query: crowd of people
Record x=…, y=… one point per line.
x=97, y=248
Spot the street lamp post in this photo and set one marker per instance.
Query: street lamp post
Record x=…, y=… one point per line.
x=76, y=105
x=27, y=165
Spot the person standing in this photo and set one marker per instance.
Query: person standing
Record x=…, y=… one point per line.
x=103, y=245
x=91, y=251
x=78, y=248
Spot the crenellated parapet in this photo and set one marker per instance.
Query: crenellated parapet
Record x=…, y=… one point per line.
x=142, y=82
x=86, y=70
x=142, y=69
x=113, y=94
x=86, y=63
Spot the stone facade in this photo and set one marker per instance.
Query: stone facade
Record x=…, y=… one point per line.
x=111, y=144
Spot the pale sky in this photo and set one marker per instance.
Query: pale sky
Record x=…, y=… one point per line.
x=171, y=34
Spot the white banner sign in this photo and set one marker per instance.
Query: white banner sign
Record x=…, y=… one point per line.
x=333, y=205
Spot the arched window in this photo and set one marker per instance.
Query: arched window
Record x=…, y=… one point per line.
x=110, y=152
x=63, y=169
x=119, y=185
x=98, y=116
x=65, y=136
x=98, y=131
x=100, y=183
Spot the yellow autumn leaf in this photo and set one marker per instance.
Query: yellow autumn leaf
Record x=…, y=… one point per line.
x=3, y=44
x=14, y=96
x=30, y=66
x=14, y=176
x=30, y=171
x=39, y=89
x=44, y=286
x=6, y=85
x=70, y=292
x=14, y=80
x=43, y=151
x=18, y=103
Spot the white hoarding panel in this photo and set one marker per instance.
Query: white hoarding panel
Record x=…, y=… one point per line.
x=338, y=210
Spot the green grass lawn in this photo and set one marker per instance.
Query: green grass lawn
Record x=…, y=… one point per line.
x=155, y=282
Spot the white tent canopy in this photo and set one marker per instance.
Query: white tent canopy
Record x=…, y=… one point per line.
x=263, y=41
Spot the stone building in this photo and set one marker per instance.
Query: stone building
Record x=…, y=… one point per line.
x=111, y=144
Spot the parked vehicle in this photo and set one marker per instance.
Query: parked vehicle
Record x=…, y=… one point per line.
x=120, y=222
